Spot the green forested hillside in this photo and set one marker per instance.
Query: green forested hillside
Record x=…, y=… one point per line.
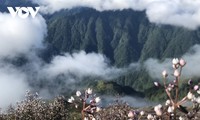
x=123, y=36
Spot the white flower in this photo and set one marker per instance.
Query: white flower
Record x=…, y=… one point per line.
x=196, y=87
x=164, y=74
x=181, y=118
x=198, y=91
x=170, y=109
x=97, y=99
x=168, y=102
x=98, y=109
x=78, y=93
x=198, y=100
x=182, y=62
x=86, y=118
x=159, y=106
x=142, y=113
x=158, y=110
x=76, y=106
x=149, y=116
x=169, y=89
x=175, y=61
x=176, y=73
x=93, y=118
x=130, y=114
x=89, y=91
x=190, y=96
x=156, y=84
x=71, y=99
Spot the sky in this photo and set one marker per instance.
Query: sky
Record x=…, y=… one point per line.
x=184, y=13
x=24, y=37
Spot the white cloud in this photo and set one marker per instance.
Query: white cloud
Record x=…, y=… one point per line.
x=17, y=36
x=13, y=85
x=175, y=12
x=82, y=65
x=183, y=13
x=20, y=36
x=155, y=67
x=192, y=68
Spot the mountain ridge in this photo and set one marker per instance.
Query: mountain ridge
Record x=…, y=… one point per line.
x=123, y=36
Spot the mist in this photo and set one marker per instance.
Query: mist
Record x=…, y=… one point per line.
x=130, y=100
x=84, y=64
x=13, y=85
x=183, y=13
x=192, y=69
x=19, y=37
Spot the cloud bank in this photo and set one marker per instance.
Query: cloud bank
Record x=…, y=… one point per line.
x=18, y=37
x=13, y=84
x=184, y=13
x=192, y=69
x=82, y=64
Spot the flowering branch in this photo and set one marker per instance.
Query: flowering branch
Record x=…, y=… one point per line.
x=87, y=111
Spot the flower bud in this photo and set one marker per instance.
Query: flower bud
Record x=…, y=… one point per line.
x=198, y=91
x=76, y=106
x=131, y=114
x=98, y=109
x=170, y=109
x=156, y=84
x=168, y=102
x=196, y=87
x=158, y=110
x=97, y=99
x=142, y=113
x=78, y=93
x=190, y=96
x=176, y=73
x=86, y=118
x=169, y=89
x=149, y=116
x=164, y=74
x=71, y=100
x=89, y=91
x=182, y=62
x=175, y=61
x=181, y=118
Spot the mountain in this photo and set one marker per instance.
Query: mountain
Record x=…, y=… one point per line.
x=124, y=37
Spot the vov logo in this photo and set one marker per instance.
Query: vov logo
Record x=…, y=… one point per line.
x=23, y=12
